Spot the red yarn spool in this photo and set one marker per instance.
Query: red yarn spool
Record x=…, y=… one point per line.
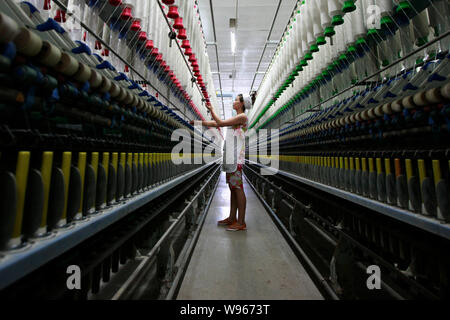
x=149, y=45
x=136, y=25
x=178, y=23
x=185, y=44
x=60, y=16
x=126, y=14
x=182, y=34
x=47, y=4
x=173, y=12
x=142, y=36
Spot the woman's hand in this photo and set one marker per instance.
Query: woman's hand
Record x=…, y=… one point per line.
x=193, y=122
x=209, y=106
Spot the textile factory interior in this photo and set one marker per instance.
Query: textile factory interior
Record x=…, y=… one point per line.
x=115, y=121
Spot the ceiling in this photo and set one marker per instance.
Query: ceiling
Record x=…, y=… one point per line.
x=253, y=30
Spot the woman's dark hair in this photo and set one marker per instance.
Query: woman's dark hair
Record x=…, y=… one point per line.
x=253, y=96
x=241, y=99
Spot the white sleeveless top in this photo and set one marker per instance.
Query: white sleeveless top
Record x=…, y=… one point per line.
x=234, y=154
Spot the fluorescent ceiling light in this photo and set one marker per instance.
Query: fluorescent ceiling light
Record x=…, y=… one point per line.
x=233, y=43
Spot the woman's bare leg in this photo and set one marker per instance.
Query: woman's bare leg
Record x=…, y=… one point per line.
x=241, y=204
x=233, y=205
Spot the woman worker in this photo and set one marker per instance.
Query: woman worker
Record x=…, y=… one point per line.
x=238, y=124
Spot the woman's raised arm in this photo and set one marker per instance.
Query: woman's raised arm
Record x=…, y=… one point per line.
x=239, y=119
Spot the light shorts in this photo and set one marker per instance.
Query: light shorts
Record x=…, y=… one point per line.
x=234, y=179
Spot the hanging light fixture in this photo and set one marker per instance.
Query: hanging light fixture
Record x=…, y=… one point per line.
x=233, y=43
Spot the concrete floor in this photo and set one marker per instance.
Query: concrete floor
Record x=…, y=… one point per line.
x=244, y=265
